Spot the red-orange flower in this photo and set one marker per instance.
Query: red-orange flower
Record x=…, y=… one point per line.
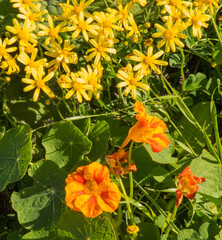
x=148, y=129
x=116, y=160
x=89, y=190
x=187, y=185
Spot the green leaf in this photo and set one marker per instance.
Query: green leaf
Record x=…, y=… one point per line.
x=191, y=132
x=148, y=231
x=159, y=174
x=75, y=226
x=37, y=235
x=188, y=234
x=15, y=155
x=207, y=166
x=175, y=60
x=165, y=156
x=65, y=143
x=208, y=230
x=99, y=136
x=42, y=204
x=194, y=82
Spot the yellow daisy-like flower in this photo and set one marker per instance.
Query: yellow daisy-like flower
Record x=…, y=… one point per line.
x=3, y=48
x=147, y=61
x=211, y=4
x=31, y=16
x=51, y=31
x=64, y=78
x=108, y=23
x=101, y=48
x=23, y=34
x=62, y=55
x=131, y=81
x=27, y=47
x=80, y=25
x=92, y=78
x=31, y=63
x=140, y=2
x=39, y=83
x=10, y=64
x=78, y=86
x=198, y=19
x=171, y=34
x=133, y=28
x=25, y=4
x=174, y=13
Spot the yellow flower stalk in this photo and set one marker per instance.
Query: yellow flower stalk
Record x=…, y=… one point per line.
x=101, y=48
x=51, y=32
x=31, y=63
x=171, y=34
x=80, y=25
x=78, y=86
x=92, y=78
x=38, y=83
x=23, y=34
x=147, y=61
x=131, y=81
x=63, y=56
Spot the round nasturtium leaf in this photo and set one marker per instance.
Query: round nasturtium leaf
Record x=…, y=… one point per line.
x=42, y=204
x=65, y=143
x=15, y=155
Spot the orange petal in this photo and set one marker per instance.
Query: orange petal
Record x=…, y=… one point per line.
x=88, y=205
x=109, y=197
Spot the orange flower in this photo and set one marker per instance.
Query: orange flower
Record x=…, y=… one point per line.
x=132, y=229
x=116, y=160
x=89, y=190
x=148, y=129
x=187, y=185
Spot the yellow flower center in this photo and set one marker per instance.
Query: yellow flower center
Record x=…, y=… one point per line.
x=3, y=51
x=169, y=34
x=100, y=49
x=91, y=187
x=77, y=86
x=33, y=17
x=65, y=52
x=53, y=32
x=78, y=10
x=82, y=25
x=133, y=81
x=23, y=35
x=26, y=1
x=196, y=21
x=107, y=24
x=92, y=81
x=175, y=2
x=39, y=83
x=148, y=60
x=32, y=64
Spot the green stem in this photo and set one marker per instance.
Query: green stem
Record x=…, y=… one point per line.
x=130, y=173
x=127, y=200
x=172, y=219
x=216, y=29
x=181, y=69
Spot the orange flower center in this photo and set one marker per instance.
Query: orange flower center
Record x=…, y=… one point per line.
x=92, y=81
x=169, y=34
x=23, y=35
x=82, y=25
x=53, y=32
x=32, y=64
x=26, y=1
x=77, y=86
x=78, y=10
x=133, y=81
x=39, y=83
x=100, y=49
x=175, y=2
x=196, y=21
x=148, y=60
x=91, y=187
x=107, y=24
x=11, y=62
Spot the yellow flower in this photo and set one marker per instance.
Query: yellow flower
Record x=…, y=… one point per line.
x=31, y=16
x=140, y=2
x=101, y=48
x=64, y=78
x=25, y=4
x=147, y=61
x=171, y=34
x=24, y=34
x=62, y=55
x=51, y=31
x=198, y=19
x=107, y=22
x=92, y=79
x=211, y=4
x=174, y=13
x=132, y=229
x=148, y=42
x=31, y=63
x=3, y=50
x=39, y=83
x=80, y=25
x=133, y=28
x=27, y=47
x=130, y=81
x=78, y=86
x=11, y=64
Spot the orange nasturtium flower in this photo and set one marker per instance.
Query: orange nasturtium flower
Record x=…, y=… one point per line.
x=89, y=190
x=132, y=229
x=148, y=129
x=187, y=185
x=116, y=160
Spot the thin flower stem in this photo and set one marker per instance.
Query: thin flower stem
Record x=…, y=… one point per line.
x=126, y=198
x=172, y=219
x=181, y=69
x=130, y=173
x=216, y=29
